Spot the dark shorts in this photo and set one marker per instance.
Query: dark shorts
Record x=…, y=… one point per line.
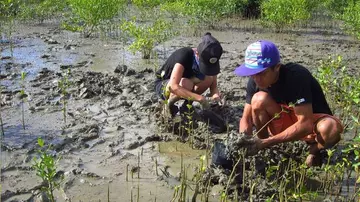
x=160, y=86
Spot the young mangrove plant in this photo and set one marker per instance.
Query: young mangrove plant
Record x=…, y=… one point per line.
x=146, y=36
x=351, y=18
x=8, y=11
x=282, y=13
x=45, y=165
x=89, y=14
x=1, y=121
x=41, y=10
x=23, y=98
x=64, y=85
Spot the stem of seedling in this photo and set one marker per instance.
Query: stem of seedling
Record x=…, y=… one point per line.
x=127, y=172
x=138, y=165
x=22, y=94
x=156, y=167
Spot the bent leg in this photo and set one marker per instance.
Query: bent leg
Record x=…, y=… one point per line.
x=185, y=83
x=328, y=131
x=263, y=108
x=201, y=87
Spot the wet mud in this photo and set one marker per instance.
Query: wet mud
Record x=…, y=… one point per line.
x=114, y=138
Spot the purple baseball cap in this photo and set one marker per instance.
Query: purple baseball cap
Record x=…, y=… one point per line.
x=258, y=57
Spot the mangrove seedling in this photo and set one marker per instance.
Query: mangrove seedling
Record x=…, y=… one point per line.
x=23, y=98
x=64, y=84
x=45, y=166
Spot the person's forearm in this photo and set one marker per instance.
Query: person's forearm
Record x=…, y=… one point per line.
x=295, y=132
x=213, y=87
x=184, y=93
x=214, y=91
x=245, y=124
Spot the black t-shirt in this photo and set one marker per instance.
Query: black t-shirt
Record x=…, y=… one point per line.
x=184, y=56
x=295, y=85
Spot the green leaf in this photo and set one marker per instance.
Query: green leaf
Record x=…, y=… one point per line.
x=40, y=142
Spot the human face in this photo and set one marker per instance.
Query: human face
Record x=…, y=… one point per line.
x=267, y=77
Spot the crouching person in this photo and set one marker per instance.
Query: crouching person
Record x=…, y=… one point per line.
x=274, y=86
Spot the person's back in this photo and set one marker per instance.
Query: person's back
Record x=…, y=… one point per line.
x=184, y=56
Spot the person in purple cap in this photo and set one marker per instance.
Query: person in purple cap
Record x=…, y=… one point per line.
x=189, y=72
x=274, y=86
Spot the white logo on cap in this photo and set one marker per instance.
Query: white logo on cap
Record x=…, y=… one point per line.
x=213, y=60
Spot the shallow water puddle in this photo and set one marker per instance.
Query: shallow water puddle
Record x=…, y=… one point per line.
x=172, y=152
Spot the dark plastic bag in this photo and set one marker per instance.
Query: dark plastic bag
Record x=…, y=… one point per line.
x=219, y=156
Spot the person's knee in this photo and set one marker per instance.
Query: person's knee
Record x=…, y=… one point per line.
x=186, y=83
x=259, y=100
x=329, y=131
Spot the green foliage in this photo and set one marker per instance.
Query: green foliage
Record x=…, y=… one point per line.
x=341, y=87
x=9, y=8
x=282, y=13
x=336, y=7
x=200, y=11
x=249, y=8
x=41, y=9
x=147, y=3
x=146, y=36
x=351, y=18
x=89, y=14
x=45, y=166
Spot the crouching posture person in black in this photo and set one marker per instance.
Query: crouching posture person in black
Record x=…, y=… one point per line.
x=189, y=72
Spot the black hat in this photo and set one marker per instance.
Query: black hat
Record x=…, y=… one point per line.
x=209, y=51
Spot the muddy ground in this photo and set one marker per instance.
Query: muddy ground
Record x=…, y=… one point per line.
x=110, y=117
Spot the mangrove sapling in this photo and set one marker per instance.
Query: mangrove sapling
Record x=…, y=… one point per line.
x=138, y=191
x=189, y=123
x=224, y=193
x=138, y=165
x=327, y=169
x=198, y=176
x=146, y=36
x=64, y=84
x=89, y=14
x=1, y=121
x=23, y=98
x=45, y=166
x=108, y=193
x=156, y=167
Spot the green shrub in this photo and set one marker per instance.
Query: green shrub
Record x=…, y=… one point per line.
x=41, y=9
x=282, y=13
x=9, y=8
x=200, y=11
x=249, y=8
x=341, y=87
x=351, y=18
x=146, y=36
x=147, y=3
x=89, y=14
x=336, y=7
x=45, y=166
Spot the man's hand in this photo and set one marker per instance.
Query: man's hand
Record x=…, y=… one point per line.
x=255, y=147
x=204, y=103
x=245, y=127
x=216, y=97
